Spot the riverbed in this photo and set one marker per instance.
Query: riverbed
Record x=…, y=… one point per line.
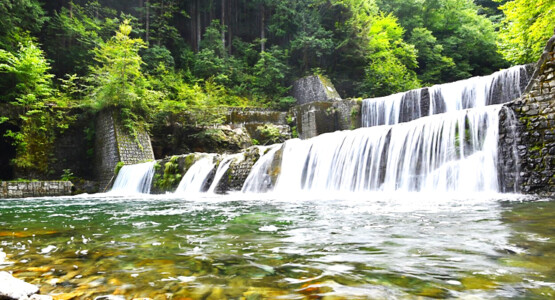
x=240, y=246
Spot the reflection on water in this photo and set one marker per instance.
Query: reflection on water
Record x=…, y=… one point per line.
x=363, y=247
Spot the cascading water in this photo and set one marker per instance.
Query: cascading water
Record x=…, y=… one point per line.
x=196, y=177
x=500, y=87
x=392, y=109
x=259, y=180
x=133, y=179
x=442, y=153
x=222, y=169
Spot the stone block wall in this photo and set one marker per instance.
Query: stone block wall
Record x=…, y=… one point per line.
x=133, y=150
x=72, y=149
x=527, y=146
x=35, y=189
x=238, y=172
x=113, y=144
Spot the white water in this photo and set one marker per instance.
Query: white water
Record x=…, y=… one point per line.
x=259, y=180
x=392, y=109
x=477, y=91
x=134, y=179
x=452, y=152
x=197, y=175
x=222, y=169
x=446, y=145
x=499, y=87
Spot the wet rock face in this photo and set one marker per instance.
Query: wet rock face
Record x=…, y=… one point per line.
x=316, y=88
x=529, y=146
x=13, y=288
x=316, y=118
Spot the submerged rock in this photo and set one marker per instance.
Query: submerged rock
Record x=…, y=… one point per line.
x=13, y=288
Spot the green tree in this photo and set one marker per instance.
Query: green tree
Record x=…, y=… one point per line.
x=527, y=26
x=20, y=20
x=467, y=38
x=270, y=73
x=117, y=80
x=26, y=79
x=391, y=60
x=25, y=83
x=432, y=63
x=71, y=34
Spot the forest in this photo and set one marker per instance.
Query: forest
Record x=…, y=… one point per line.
x=146, y=57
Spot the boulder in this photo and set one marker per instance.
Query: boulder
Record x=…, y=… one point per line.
x=13, y=288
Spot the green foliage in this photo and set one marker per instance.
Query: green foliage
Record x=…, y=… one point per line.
x=466, y=38
x=20, y=19
x=26, y=83
x=270, y=73
x=158, y=58
x=118, y=167
x=67, y=175
x=391, y=60
x=171, y=176
x=433, y=64
x=117, y=80
x=71, y=37
x=269, y=134
x=527, y=26
x=25, y=79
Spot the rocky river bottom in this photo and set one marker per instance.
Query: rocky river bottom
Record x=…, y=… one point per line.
x=359, y=246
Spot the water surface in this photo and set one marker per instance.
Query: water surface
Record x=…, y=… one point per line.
x=370, y=246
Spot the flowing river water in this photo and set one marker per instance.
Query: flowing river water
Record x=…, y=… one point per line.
x=241, y=246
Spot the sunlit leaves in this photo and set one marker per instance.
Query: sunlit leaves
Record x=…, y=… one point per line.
x=527, y=26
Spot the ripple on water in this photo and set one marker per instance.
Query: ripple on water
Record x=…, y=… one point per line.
x=364, y=246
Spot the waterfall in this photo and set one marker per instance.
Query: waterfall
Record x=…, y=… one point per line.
x=222, y=169
x=134, y=179
x=196, y=177
x=392, y=109
x=451, y=152
x=500, y=87
x=259, y=179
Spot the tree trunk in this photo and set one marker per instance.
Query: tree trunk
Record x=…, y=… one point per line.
x=229, y=26
x=199, y=26
x=223, y=27
x=262, y=25
x=147, y=21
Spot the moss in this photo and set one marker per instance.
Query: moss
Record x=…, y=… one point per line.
x=269, y=134
x=171, y=177
x=328, y=87
x=118, y=167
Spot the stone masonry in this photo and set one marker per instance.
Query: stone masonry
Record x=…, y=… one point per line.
x=527, y=147
x=35, y=189
x=114, y=144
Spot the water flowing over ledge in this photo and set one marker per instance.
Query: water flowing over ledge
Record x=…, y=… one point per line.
x=442, y=153
x=134, y=179
x=438, y=139
x=500, y=87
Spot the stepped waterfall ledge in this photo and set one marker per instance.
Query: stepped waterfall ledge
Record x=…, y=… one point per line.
x=134, y=179
x=444, y=138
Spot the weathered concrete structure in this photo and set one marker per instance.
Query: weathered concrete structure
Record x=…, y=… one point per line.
x=231, y=130
x=114, y=144
x=315, y=88
x=15, y=189
x=527, y=148
x=315, y=118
